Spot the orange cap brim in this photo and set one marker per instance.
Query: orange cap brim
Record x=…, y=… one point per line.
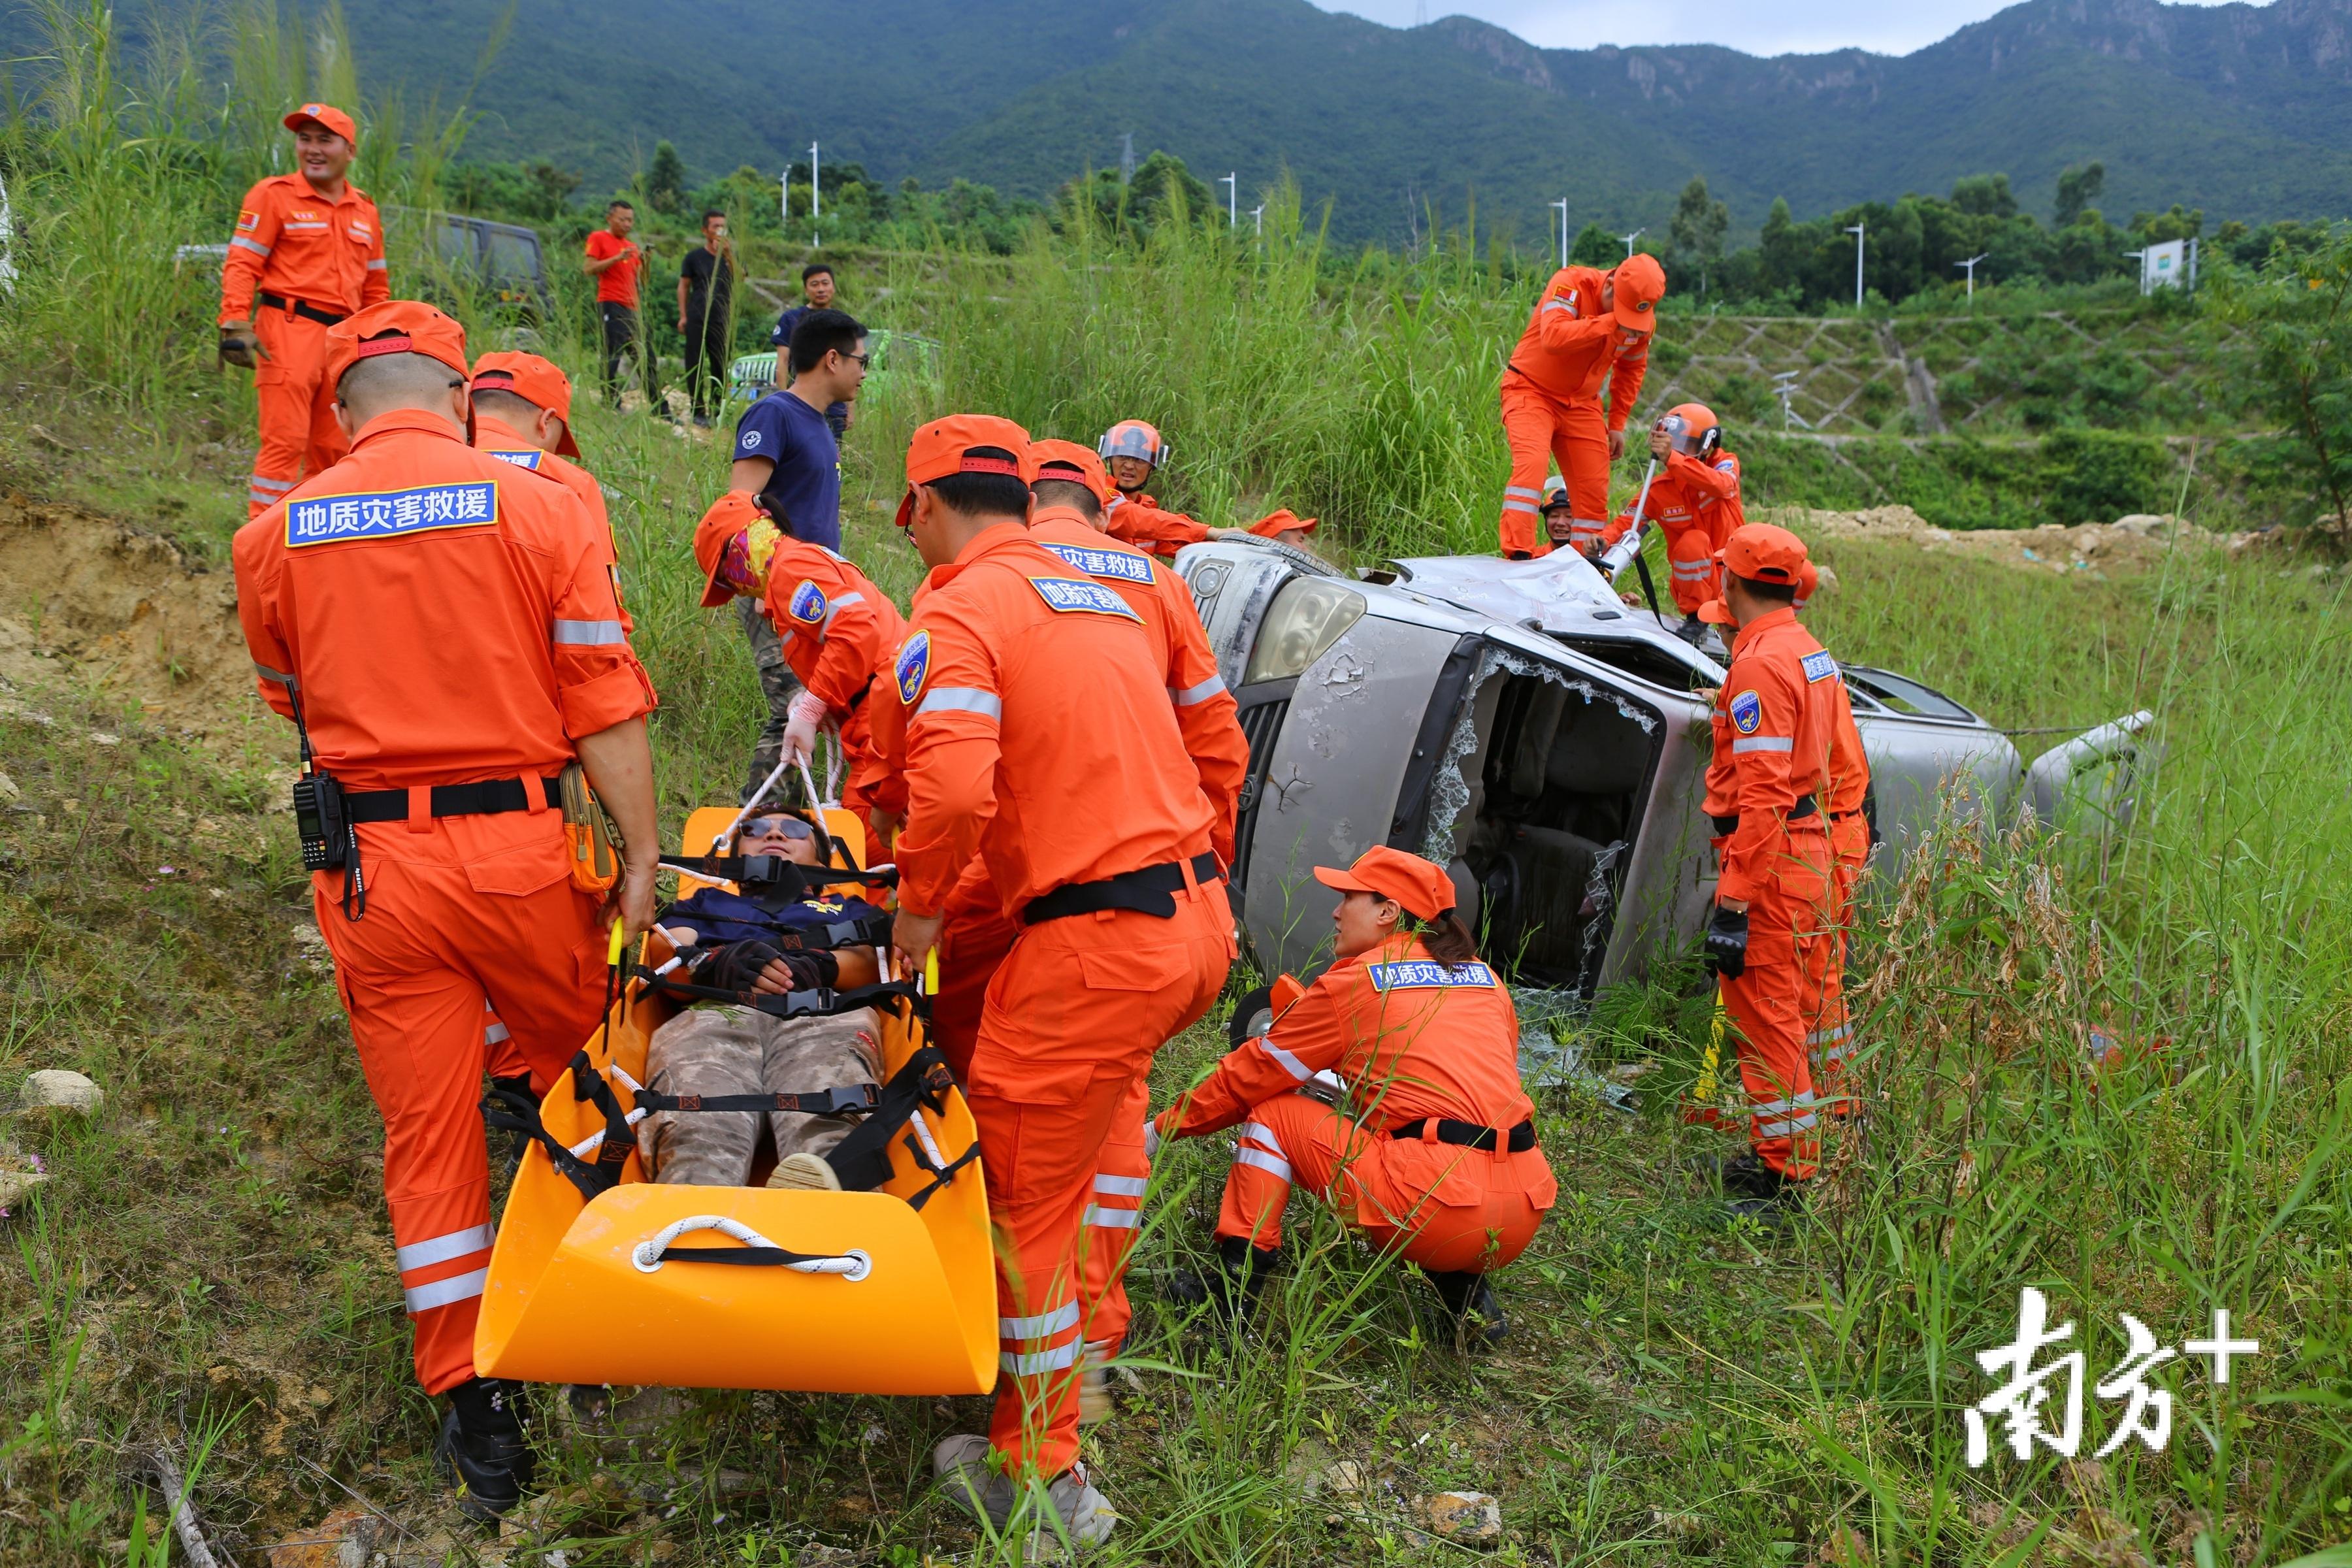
x=565, y=446
x=1715, y=612
x=1340, y=880
x=1636, y=321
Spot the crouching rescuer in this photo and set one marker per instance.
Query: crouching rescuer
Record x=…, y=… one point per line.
x=442, y=629
x=1426, y=1141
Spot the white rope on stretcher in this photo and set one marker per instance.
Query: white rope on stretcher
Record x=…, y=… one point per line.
x=852, y=1266
x=931, y=1144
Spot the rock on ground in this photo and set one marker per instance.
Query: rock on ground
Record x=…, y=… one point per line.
x=62, y=1089
x=1468, y=1518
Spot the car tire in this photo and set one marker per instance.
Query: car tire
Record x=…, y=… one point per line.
x=1252, y=1015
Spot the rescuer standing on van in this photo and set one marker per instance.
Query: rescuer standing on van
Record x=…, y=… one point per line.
x=1028, y=686
x=307, y=251
x=1590, y=327
x=1768, y=787
x=442, y=629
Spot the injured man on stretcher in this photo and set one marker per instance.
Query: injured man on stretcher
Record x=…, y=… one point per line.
x=769, y=946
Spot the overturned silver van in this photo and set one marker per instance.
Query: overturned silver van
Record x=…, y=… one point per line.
x=1519, y=724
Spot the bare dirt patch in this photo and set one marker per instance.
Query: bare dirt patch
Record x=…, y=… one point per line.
x=126, y=612
x=2126, y=546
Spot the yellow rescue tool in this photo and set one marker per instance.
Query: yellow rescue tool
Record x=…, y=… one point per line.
x=858, y=1292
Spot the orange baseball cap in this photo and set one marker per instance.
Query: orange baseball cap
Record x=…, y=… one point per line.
x=1421, y=886
x=1069, y=455
x=326, y=114
x=946, y=446
x=1764, y=552
x=537, y=382
x=730, y=515
x=396, y=327
x=1640, y=284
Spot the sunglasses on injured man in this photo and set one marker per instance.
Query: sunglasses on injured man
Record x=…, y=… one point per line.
x=791, y=827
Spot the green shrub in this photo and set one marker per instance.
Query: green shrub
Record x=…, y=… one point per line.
x=2096, y=476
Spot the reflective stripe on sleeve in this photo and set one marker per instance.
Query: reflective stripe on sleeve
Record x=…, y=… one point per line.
x=255, y=245
x=961, y=699
x=494, y=1034
x=447, y=1292
x=1559, y=305
x=377, y=265
x=442, y=1249
x=1290, y=1064
x=1762, y=743
x=589, y=633
x=1191, y=695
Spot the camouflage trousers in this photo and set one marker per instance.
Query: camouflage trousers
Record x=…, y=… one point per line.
x=741, y=1050
x=777, y=682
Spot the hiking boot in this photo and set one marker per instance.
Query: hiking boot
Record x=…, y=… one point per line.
x=805, y=1172
x=1693, y=630
x=1471, y=1306
x=484, y=1448
x=1777, y=1210
x=968, y=1481
x=1743, y=1174
x=1230, y=1289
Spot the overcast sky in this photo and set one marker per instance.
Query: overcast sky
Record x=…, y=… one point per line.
x=1757, y=26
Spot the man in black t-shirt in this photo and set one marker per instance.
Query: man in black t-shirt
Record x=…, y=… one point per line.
x=705, y=310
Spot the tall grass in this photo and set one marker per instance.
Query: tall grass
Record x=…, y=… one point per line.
x=1677, y=1388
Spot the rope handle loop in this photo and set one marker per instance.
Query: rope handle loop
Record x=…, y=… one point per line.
x=650, y=1254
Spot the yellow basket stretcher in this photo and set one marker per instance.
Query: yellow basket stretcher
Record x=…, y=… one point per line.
x=854, y=1292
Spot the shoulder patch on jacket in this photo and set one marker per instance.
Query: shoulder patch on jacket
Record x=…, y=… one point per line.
x=914, y=666
x=1122, y=565
x=1425, y=974
x=1070, y=596
x=1747, y=712
x=807, y=604
x=388, y=514
x=1819, y=665
x=527, y=458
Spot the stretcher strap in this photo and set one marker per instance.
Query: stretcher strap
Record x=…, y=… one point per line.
x=774, y=874
x=929, y=1158
x=757, y=1251
x=862, y=1160
x=620, y=1127
x=822, y=1003
x=841, y=1102
x=516, y=1110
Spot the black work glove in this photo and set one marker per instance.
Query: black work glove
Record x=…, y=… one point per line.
x=239, y=346
x=1727, y=942
x=737, y=965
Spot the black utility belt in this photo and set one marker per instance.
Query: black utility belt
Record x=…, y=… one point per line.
x=1468, y=1134
x=491, y=797
x=1150, y=891
x=302, y=308
x=1805, y=808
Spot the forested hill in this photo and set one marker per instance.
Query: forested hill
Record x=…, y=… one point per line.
x=2244, y=111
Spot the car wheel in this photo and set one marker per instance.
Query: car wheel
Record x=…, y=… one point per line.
x=1252, y=1015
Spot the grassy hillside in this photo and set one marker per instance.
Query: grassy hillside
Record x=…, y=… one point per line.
x=2236, y=108
x=205, y=1268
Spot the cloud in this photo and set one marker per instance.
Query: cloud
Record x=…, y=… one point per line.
x=1754, y=26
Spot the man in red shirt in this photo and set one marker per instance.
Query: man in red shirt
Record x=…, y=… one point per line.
x=618, y=265
x=307, y=251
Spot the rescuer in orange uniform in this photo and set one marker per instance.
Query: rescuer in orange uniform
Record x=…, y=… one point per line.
x=1070, y=487
x=1030, y=686
x=1589, y=328
x=307, y=251
x=443, y=631
x=1694, y=500
x=838, y=632
x=1775, y=717
x=1431, y=1147
x=522, y=413
x=1829, y=1036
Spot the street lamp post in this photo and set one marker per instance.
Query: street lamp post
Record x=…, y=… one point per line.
x=1630, y=239
x=1562, y=205
x=1856, y=229
x=1258, y=213
x=1971, y=265
x=1232, y=193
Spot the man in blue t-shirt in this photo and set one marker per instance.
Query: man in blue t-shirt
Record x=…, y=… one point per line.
x=817, y=289
x=785, y=455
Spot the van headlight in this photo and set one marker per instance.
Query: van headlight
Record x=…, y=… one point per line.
x=1306, y=618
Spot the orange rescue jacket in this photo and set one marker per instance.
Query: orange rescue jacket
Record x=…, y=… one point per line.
x=1573, y=344
x=298, y=244
x=1773, y=720
x=1697, y=505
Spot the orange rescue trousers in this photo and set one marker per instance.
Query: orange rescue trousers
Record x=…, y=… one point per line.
x=1448, y=1208
x=1773, y=1003
x=462, y=912
x=1830, y=1040
x=299, y=436
x=1071, y=1023
x=1545, y=433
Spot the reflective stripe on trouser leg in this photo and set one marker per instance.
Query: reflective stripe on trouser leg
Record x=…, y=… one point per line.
x=1052, y=1073
x=1767, y=1006
x=298, y=436
x=1113, y=1220
x=1256, y=1187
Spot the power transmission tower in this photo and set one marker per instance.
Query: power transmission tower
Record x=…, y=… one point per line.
x=1420, y=13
